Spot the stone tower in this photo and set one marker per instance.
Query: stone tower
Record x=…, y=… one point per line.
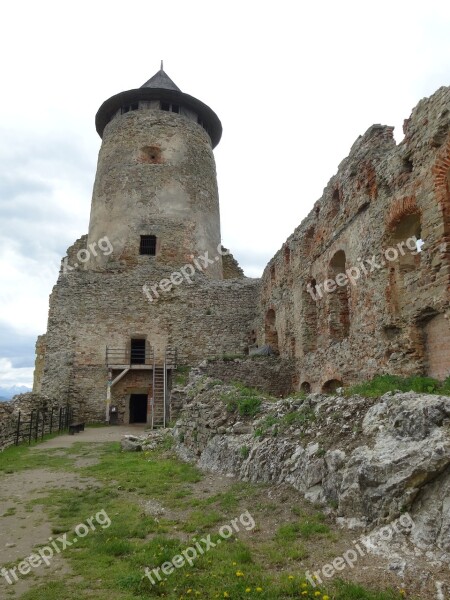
x=149, y=288
x=155, y=194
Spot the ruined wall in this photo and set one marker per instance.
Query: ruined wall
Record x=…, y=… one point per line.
x=231, y=268
x=374, y=303
x=39, y=363
x=391, y=315
x=269, y=374
x=90, y=310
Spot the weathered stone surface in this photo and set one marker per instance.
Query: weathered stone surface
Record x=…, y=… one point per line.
x=371, y=460
x=381, y=306
x=131, y=443
x=269, y=374
x=395, y=318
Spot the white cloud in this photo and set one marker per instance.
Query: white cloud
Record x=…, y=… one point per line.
x=10, y=376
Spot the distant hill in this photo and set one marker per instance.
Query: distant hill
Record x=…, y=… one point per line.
x=6, y=393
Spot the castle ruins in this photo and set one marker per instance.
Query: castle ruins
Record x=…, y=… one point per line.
x=360, y=288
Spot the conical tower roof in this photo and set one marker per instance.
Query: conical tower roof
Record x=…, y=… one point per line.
x=161, y=81
x=160, y=87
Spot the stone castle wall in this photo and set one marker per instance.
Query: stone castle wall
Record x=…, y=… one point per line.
x=395, y=318
x=269, y=374
x=90, y=310
x=375, y=304
x=156, y=175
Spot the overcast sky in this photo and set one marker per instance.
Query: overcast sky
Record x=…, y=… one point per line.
x=293, y=83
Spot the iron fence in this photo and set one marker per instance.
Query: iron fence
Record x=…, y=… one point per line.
x=39, y=423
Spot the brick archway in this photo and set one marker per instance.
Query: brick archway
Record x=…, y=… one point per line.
x=441, y=172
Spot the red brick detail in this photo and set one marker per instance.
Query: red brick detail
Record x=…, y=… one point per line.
x=399, y=209
x=441, y=173
x=368, y=180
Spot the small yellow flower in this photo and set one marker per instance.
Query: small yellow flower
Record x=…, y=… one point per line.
x=325, y=597
x=189, y=591
x=317, y=593
x=259, y=589
x=234, y=564
x=248, y=590
x=226, y=595
x=239, y=574
x=290, y=577
x=304, y=585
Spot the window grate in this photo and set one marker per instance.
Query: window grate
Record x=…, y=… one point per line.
x=148, y=245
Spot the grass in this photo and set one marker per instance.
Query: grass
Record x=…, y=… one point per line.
x=246, y=401
x=381, y=384
x=181, y=376
x=297, y=418
x=109, y=562
x=244, y=451
x=305, y=529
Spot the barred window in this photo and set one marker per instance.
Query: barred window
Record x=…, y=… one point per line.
x=148, y=245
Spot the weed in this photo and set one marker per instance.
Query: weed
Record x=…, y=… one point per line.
x=245, y=451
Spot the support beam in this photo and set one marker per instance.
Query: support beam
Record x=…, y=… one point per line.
x=108, y=390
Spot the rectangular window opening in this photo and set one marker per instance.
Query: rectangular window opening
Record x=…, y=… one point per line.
x=175, y=108
x=137, y=355
x=165, y=106
x=148, y=245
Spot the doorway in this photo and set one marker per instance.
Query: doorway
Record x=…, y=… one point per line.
x=138, y=408
x=138, y=351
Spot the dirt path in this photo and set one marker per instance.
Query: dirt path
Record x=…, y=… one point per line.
x=91, y=435
x=24, y=525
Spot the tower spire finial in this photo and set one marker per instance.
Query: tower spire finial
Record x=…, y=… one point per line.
x=162, y=65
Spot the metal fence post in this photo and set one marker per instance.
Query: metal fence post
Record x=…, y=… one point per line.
x=31, y=427
x=18, y=430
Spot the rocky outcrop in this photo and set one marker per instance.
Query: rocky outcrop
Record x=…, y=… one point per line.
x=367, y=460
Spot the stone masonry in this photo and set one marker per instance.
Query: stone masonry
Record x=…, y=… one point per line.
x=392, y=316
x=360, y=288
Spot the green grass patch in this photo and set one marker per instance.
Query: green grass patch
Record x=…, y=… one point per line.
x=181, y=375
x=381, y=384
x=244, y=400
x=109, y=562
x=306, y=529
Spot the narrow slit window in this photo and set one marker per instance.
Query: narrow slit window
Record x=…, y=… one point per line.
x=175, y=108
x=148, y=245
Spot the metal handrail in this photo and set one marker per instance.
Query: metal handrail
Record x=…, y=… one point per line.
x=127, y=356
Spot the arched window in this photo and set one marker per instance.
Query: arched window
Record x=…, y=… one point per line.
x=271, y=334
x=309, y=320
x=338, y=301
x=330, y=386
x=305, y=387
